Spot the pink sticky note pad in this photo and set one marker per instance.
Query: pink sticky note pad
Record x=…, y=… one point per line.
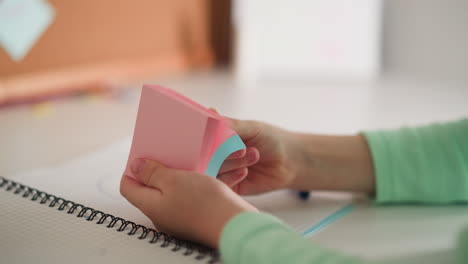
x=176, y=131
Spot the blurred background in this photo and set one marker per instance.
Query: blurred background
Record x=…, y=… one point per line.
x=70, y=71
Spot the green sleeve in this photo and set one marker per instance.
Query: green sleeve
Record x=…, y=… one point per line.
x=260, y=238
x=462, y=247
x=424, y=164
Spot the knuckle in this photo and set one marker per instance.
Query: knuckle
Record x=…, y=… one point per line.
x=122, y=188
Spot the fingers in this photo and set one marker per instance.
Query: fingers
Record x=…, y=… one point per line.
x=235, y=124
x=233, y=177
x=251, y=157
x=141, y=196
x=246, y=129
x=238, y=154
x=154, y=174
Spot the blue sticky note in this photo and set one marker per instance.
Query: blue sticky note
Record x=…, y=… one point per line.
x=328, y=220
x=231, y=145
x=22, y=22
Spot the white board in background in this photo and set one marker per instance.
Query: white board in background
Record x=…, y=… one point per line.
x=308, y=39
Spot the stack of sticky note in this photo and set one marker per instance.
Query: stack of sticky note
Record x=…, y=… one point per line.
x=180, y=133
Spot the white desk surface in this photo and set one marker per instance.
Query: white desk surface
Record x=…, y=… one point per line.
x=402, y=234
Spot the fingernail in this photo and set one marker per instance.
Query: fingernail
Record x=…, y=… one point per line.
x=251, y=155
x=137, y=166
x=238, y=154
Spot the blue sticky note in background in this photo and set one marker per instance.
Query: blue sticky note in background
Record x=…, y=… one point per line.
x=22, y=22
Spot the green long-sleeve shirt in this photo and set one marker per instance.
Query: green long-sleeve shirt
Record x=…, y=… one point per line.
x=427, y=164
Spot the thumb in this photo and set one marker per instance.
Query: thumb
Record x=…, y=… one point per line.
x=246, y=129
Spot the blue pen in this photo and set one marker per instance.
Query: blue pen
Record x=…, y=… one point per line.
x=304, y=195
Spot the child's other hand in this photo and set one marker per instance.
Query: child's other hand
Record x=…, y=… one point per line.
x=185, y=204
x=266, y=165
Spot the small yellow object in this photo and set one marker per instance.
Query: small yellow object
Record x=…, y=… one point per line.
x=92, y=96
x=42, y=109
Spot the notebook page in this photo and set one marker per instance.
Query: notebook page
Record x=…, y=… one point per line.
x=94, y=179
x=36, y=233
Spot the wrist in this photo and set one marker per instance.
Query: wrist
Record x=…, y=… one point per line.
x=215, y=228
x=298, y=159
x=331, y=163
x=302, y=160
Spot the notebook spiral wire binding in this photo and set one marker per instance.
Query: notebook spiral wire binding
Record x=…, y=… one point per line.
x=119, y=224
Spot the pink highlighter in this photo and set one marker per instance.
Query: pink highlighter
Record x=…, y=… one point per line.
x=180, y=133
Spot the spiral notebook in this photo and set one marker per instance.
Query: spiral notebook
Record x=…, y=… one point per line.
x=74, y=213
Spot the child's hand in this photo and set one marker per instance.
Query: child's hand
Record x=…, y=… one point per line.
x=268, y=164
x=277, y=158
x=185, y=204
